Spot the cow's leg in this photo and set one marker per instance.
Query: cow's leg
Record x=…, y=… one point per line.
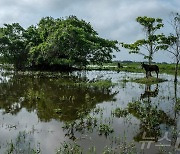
x=157, y=73
x=150, y=73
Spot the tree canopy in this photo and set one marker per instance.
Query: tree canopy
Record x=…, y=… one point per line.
x=152, y=41
x=53, y=42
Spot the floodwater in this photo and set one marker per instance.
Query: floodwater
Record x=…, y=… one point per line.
x=49, y=114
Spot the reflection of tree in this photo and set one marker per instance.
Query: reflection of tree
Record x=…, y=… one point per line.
x=150, y=116
x=150, y=119
x=176, y=115
x=59, y=98
x=177, y=102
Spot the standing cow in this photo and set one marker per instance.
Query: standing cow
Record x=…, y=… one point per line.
x=150, y=68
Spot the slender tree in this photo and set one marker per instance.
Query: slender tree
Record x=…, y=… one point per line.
x=151, y=43
x=173, y=41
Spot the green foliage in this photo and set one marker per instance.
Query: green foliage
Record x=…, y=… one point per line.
x=12, y=46
x=152, y=42
x=150, y=24
x=60, y=42
x=70, y=42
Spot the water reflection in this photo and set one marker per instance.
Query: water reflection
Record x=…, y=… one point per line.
x=62, y=98
x=175, y=134
x=51, y=98
x=148, y=93
x=151, y=118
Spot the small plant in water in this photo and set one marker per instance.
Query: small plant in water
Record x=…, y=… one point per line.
x=22, y=145
x=118, y=112
x=105, y=129
x=69, y=148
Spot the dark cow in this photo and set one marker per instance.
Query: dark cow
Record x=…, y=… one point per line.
x=150, y=68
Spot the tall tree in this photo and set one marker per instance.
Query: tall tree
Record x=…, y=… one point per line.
x=70, y=42
x=151, y=44
x=173, y=41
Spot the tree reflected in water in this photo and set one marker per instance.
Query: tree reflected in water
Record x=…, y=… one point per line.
x=151, y=118
x=62, y=98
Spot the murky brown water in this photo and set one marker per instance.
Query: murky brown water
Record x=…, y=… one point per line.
x=39, y=113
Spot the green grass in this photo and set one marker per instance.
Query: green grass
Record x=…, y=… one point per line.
x=150, y=80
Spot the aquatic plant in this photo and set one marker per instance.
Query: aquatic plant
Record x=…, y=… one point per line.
x=105, y=129
x=119, y=112
x=69, y=148
x=22, y=145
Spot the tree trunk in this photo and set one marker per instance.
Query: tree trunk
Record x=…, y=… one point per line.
x=176, y=71
x=150, y=60
x=150, y=52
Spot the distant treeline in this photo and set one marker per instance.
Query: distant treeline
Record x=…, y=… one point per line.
x=129, y=61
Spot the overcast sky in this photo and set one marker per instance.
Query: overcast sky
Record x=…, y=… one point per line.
x=112, y=19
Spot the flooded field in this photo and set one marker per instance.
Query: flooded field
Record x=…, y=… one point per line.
x=88, y=112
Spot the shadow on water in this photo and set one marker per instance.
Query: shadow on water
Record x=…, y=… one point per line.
x=61, y=98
